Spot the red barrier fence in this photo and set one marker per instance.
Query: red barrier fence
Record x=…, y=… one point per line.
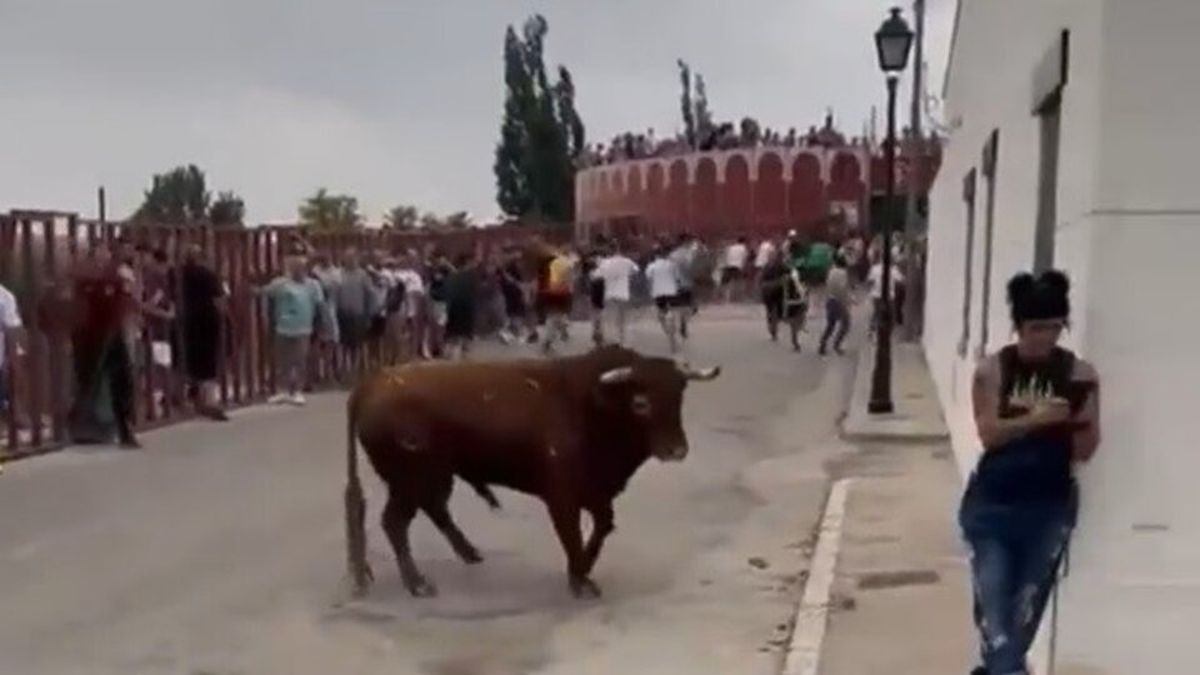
x=38, y=250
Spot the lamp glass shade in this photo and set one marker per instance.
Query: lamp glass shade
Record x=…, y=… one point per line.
x=893, y=41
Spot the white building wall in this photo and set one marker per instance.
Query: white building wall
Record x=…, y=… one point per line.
x=1128, y=234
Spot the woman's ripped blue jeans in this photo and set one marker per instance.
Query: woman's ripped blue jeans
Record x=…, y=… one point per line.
x=1015, y=551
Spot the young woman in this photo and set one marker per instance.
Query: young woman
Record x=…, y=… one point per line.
x=1037, y=412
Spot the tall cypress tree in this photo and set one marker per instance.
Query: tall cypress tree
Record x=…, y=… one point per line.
x=541, y=134
x=685, y=103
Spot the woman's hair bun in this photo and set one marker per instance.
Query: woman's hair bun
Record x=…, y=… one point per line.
x=1056, y=281
x=1020, y=287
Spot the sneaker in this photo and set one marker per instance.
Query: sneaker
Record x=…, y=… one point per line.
x=297, y=399
x=279, y=399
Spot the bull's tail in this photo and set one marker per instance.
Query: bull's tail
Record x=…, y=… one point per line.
x=356, y=506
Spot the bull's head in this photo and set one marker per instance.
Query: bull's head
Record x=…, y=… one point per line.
x=653, y=389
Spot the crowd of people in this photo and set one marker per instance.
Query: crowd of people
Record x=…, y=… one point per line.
x=727, y=136
x=132, y=308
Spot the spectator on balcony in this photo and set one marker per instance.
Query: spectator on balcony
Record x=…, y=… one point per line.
x=203, y=305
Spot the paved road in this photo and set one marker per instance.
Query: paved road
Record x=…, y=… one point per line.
x=218, y=549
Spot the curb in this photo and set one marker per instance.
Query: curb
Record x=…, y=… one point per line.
x=811, y=620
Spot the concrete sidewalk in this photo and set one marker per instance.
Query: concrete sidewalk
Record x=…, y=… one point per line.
x=899, y=600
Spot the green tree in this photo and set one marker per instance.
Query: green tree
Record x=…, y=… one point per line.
x=685, y=103
x=459, y=220
x=324, y=211
x=704, y=120
x=541, y=134
x=178, y=196
x=228, y=209
x=402, y=217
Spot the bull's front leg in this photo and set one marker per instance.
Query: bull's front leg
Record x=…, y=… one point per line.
x=602, y=526
x=565, y=516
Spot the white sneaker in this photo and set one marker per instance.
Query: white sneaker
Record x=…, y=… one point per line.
x=297, y=399
x=279, y=399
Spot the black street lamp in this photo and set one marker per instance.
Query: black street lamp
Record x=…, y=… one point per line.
x=892, y=41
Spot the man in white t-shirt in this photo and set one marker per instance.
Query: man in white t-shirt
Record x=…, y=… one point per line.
x=875, y=280
x=733, y=269
x=10, y=328
x=664, y=277
x=617, y=270
x=766, y=249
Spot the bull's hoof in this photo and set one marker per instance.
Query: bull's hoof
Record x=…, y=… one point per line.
x=471, y=556
x=584, y=588
x=421, y=588
x=363, y=577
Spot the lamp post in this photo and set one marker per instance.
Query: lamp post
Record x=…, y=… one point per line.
x=893, y=41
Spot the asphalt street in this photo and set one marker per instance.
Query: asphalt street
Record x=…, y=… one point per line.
x=218, y=549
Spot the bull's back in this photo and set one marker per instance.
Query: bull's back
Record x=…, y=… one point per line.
x=484, y=421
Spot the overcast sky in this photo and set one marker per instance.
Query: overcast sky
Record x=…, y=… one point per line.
x=393, y=101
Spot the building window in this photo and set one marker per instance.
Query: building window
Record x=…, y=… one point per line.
x=990, y=157
x=1049, y=79
x=968, y=255
x=1047, y=205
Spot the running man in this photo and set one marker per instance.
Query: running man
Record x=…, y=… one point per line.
x=664, y=277
x=684, y=256
x=555, y=298
x=617, y=271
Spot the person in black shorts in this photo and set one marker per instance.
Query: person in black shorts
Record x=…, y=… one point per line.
x=461, y=292
x=515, y=309
x=595, y=289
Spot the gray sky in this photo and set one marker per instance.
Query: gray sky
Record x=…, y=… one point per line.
x=393, y=101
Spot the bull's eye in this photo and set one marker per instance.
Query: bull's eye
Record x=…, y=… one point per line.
x=640, y=405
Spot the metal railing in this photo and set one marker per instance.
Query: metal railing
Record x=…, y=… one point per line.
x=40, y=249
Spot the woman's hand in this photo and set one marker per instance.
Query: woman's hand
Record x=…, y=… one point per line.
x=1051, y=411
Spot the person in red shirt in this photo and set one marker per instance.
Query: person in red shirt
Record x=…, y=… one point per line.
x=103, y=301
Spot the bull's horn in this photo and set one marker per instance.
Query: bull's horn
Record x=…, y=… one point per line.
x=617, y=375
x=701, y=375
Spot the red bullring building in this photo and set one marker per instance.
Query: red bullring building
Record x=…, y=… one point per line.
x=756, y=192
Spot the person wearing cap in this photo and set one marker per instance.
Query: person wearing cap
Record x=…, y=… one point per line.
x=1037, y=415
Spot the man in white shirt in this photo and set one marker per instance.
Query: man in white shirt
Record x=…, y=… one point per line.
x=10, y=328
x=616, y=270
x=875, y=280
x=664, y=277
x=766, y=249
x=684, y=256
x=734, y=269
x=414, y=301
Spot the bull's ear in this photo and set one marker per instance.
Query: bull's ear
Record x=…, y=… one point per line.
x=617, y=375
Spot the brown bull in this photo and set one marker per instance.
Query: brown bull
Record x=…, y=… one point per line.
x=570, y=431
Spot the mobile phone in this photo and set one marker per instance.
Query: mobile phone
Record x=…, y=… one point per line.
x=1077, y=393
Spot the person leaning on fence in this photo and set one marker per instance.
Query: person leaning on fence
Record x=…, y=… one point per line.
x=296, y=300
x=104, y=388
x=1037, y=414
x=203, y=302
x=10, y=342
